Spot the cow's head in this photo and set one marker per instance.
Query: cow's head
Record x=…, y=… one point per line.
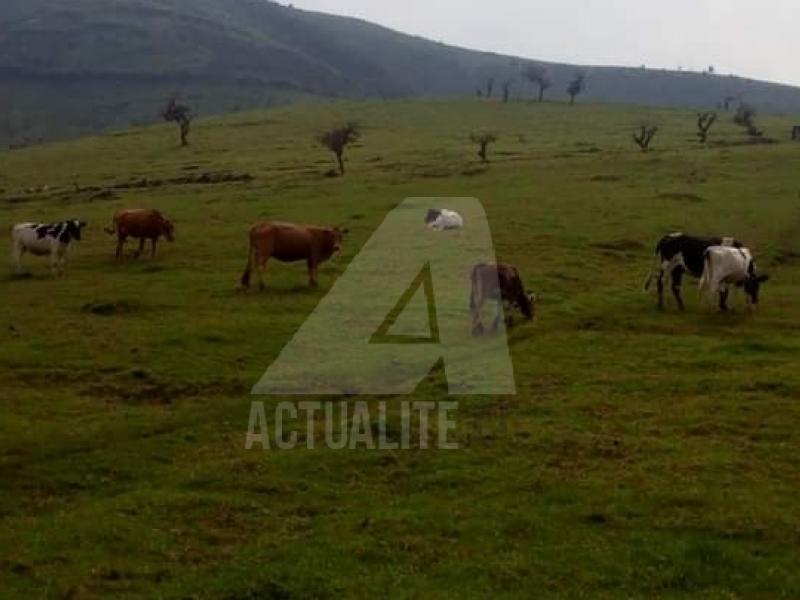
x=74, y=228
x=169, y=230
x=752, y=287
x=336, y=237
x=432, y=215
x=527, y=305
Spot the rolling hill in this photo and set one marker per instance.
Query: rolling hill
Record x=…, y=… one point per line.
x=70, y=67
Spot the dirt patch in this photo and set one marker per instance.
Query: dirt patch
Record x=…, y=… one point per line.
x=473, y=171
x=682, y=197
x=140, y=386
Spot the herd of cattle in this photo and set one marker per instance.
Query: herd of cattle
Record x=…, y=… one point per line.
x=719, y=263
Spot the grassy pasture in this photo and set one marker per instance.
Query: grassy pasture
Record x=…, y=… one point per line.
x=645, y=455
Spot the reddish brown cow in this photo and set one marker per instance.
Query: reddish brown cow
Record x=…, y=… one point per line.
x=288, y=242
x=142, y=224
x=503, y=284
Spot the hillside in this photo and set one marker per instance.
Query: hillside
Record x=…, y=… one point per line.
x=68, y=67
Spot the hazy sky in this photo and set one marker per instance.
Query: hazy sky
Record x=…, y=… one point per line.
x=759, y=39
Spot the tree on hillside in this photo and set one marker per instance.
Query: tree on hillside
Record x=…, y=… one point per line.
x=336, y=140
x=180, y=114
x=507, y=85
x=745, y=117
x=538, y=75
x=490, y=87
x=645, y=136
x=483, y=139
x=576, y=87
x=705, y=121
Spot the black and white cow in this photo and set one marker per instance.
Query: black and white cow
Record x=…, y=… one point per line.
x=678, y=254
x=502, y=284
x=45, y=240
x=726, y=266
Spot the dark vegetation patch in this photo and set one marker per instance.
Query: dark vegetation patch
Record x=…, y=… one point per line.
x=621, y=245
x=109, y=309
x=141, y=386
x=605, y=178
x=473, y=171
x=682, y=197
x=785, y=256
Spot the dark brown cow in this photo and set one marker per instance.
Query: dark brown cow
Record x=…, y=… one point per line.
x=142, y=224
x=503, y=284
x=289, y=242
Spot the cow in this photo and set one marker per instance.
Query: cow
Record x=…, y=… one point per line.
x=290, y=242
x=443, y=219
x=45, y=240
x=678, y=254
x=725, y=266
x=143, y=224
x=796, y=132
x=503, y=284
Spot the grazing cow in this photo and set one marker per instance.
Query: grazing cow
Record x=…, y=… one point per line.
x=143, y=224
x=289, y=242
x=503, y=284
x=443, y=219
x=725, y=266
x=45, y=240
x=796, y=132
x=678, y=254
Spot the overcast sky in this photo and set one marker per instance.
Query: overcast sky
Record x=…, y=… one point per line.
x=758, y=39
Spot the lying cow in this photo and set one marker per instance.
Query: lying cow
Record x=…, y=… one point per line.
x=725, y=266
x=289, y=242
x=678, y=254
x=443, y=219
x=501, y=283
x=45, y=240
x=142, y=224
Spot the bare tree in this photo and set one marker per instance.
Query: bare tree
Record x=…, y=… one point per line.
x=180, y=114
x=576, y=87
x=645, y=136
x=483, y=139
x=705, y=121
x=336, y=140
x=490, y=87
x=745, y=117
x=507, y=85
x=538, y=75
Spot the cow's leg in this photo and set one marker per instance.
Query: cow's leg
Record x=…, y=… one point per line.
x=677, y=281
x=498, y=317
x=724, y=293
x=55, y=261
x=17, y=250
x=661, y=289
x=261, y=266
x=312, y=272
x=477, y=325
x=120, y=246
x=138, y=253
x=153, y=250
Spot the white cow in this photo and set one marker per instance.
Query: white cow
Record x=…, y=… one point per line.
x=44, y=240
x=443, y=219
x=725, y=266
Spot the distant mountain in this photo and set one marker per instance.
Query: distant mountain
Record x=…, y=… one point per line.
x=70, y=67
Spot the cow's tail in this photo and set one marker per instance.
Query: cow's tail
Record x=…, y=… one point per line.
x=113, y=229
x=705, y=279
x=248, y=270
x=656, y=269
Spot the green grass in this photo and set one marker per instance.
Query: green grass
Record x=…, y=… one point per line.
x=647, y=454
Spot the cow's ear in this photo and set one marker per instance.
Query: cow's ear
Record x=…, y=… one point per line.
x=343, y=230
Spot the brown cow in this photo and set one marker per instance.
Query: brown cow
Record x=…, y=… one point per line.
x=503, y=284
x=143, y=224
x=289, y=242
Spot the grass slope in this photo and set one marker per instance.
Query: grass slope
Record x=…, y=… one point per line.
x=646, y=454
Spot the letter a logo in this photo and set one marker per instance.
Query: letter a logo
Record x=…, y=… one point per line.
x=400, y=308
